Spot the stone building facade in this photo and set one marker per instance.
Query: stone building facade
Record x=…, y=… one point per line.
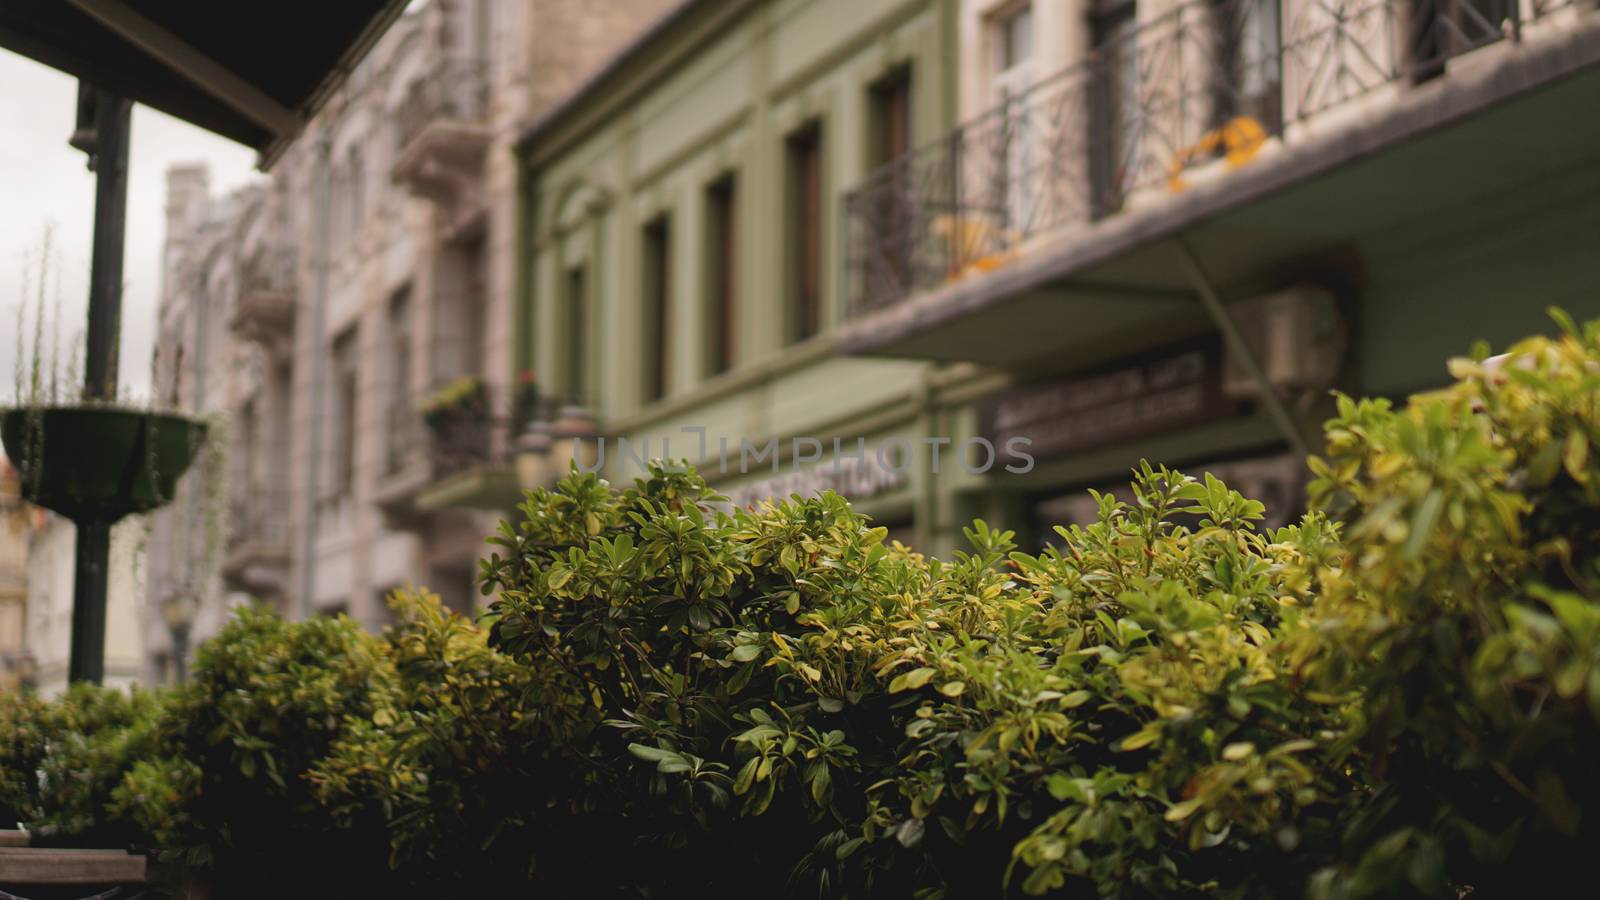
x=374, y=269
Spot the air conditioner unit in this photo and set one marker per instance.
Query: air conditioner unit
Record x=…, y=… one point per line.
x=1297, y=337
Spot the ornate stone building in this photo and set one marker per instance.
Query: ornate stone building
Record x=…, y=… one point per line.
x=373, y=271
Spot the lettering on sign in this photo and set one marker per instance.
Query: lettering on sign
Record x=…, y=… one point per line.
x=854, y=477
x=1178, y=387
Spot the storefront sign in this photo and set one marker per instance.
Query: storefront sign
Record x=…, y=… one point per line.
x=854, y=477
x=1178, y=387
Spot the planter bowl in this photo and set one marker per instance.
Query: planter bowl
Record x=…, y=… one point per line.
x=99, y=463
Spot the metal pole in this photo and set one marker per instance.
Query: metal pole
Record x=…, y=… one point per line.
x=87, y=661
x=1240, y=348
x=110, y=162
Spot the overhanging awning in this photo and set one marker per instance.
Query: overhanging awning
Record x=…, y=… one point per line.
x=254, y=73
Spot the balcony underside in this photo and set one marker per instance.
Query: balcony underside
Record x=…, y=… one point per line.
x=487, y=486
x=444, y=165
x=1488, y=177
x=259, y=568
x=266, y=317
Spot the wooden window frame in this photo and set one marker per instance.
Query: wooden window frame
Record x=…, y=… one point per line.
x=891, y=101
x=806, y=151
x=722, y=272
x=575, y=314
x=656, y=241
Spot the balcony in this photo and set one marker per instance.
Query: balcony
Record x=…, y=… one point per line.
x=1275, y=140
x=257, y=557
x=266, y=307
x=457, y=457
x=442, y=133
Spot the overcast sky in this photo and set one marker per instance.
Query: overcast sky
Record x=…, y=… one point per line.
x=45, y=182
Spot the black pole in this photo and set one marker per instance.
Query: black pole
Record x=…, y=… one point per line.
x=109, y=159
x=110, y=162
x=88, y=659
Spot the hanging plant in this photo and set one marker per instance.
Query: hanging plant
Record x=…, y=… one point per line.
x=87, y=459
x=462, y=400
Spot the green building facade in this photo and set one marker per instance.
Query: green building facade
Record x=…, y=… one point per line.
x=838, y=243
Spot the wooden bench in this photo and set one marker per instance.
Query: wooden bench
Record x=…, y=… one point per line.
x=40, y=872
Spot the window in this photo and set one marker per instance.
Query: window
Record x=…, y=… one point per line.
x=1024, y=150
x=249, y=438
x=1114, y=100
x=1249, y=69
x=721, y=273
x=343, y=421
x=400, y=347
x=358, y=199
x=805, y=232
x=399, y=427
x=1015, y=38
x=577, y=333
x=891, y=118
x=657, y=284
x=889, y=134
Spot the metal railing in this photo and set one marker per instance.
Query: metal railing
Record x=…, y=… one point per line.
x=467, y=442
x=1208, y=82
x=448, y=444
x=456, y=90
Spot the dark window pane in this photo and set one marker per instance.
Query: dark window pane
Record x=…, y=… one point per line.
x=577, y=335
x=722, y=274
x=805, y=229
x=658, y=304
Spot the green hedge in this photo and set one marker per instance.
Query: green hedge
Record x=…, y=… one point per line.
x=1397, y=696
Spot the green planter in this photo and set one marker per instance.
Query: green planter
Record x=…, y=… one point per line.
x=99, y=463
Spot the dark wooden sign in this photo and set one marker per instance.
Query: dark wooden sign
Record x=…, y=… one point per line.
x=1168, y=389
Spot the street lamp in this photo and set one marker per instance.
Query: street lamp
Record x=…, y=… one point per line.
x=177, y=610
x=533, y=456
x=577, y=440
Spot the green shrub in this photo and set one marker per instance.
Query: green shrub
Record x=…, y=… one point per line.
x=229, y=791
x=1465, y=624
x=453, y=764
x=778, y=699
x=62, y=760
x=1396, y=696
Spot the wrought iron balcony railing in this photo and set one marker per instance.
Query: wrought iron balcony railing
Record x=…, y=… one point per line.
x=467, y=442
x=455, y=91
x=1207, y=83
x=448, y=443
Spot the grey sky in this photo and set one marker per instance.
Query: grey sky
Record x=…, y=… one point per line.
x=42, y=180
